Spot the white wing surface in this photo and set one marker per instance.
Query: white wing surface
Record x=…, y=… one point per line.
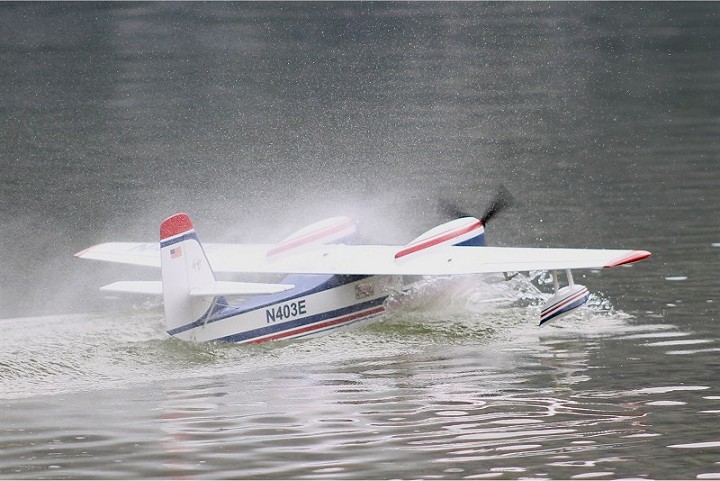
x=134, y=253
x=375, y=259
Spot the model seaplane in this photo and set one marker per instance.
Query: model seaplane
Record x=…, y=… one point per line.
x=327, y=284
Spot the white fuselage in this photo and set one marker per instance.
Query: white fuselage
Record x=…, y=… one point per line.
x=316, y=305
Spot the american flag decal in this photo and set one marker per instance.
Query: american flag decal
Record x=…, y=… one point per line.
x=175, y=252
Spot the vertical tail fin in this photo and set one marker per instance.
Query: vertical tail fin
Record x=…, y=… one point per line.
x=184, y=268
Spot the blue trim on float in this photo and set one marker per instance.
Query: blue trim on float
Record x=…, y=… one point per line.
x=565, y=310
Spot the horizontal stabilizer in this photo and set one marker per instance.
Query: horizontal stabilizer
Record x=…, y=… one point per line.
x=227, y=288
x=218, y=288
x=149, y=288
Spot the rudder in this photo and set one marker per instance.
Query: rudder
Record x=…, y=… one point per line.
x=184, y=267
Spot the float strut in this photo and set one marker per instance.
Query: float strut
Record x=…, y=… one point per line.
x=569, y=277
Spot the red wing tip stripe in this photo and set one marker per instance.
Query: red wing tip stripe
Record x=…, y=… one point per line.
x=175, y=225
x=634, y=256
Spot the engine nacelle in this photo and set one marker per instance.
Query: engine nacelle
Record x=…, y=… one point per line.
x=466, y=230
x=320, y=233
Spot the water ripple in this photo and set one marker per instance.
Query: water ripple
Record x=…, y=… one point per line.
x=378, y=402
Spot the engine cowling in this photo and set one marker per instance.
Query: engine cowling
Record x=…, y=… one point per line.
x=465, y=230
x=320, y=233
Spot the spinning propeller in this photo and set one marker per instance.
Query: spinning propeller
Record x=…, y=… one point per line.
x=564, y=300
x=501, y=201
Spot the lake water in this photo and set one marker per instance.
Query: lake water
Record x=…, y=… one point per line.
x=602, y=119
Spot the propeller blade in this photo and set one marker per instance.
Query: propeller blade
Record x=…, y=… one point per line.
x=502, y=200
x=450, y=209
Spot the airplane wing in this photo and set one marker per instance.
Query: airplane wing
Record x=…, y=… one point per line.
x=375, y=259
x=133, y=253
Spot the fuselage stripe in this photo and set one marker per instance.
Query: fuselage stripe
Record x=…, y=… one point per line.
x=281, y=328
x=327, y=325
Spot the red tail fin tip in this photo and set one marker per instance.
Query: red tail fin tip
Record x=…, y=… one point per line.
x=174, y=225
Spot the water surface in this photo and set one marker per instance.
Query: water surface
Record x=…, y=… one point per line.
x=257, y=119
